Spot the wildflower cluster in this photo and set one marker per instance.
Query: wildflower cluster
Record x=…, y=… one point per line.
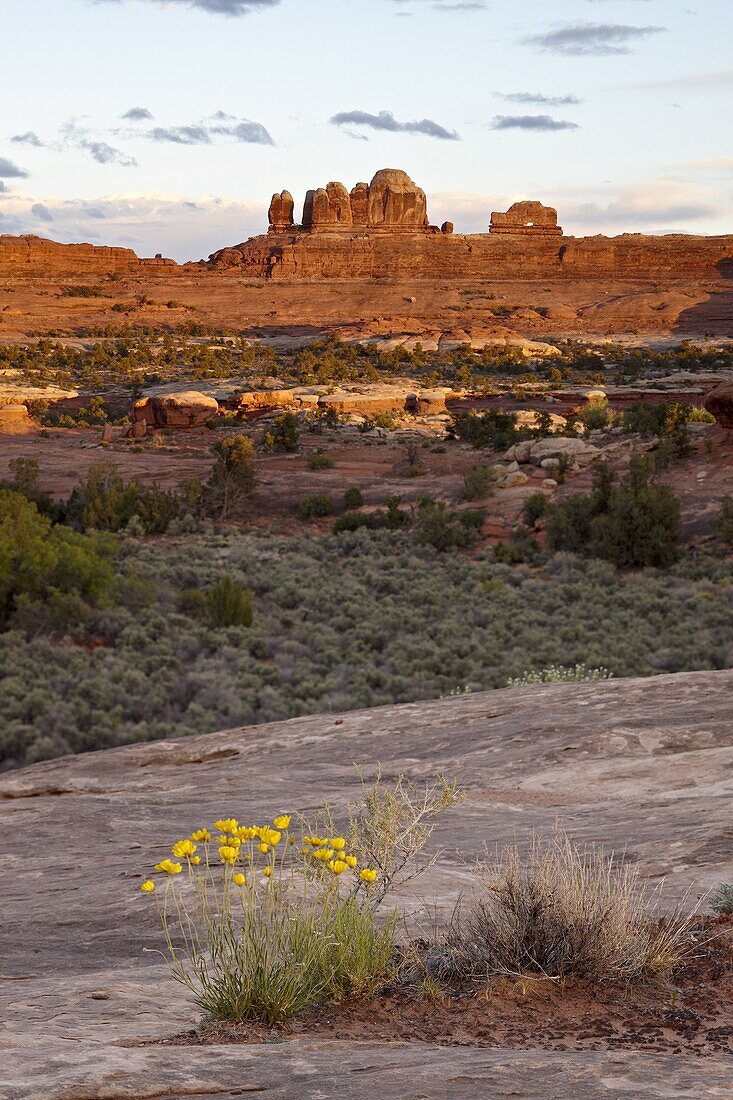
x=246, y=851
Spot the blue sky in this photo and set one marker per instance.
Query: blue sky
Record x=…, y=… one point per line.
x=616, y=111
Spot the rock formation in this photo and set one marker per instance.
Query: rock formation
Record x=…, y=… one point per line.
x=381, y=229
x=391, y=201
x=189, y=409
x=16, y=420
x=280, y=213
x=719, y=402
x=527, y=219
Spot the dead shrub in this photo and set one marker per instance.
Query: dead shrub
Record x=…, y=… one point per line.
x=562, y=912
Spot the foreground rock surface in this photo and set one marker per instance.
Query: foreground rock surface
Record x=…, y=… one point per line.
x=640, y=765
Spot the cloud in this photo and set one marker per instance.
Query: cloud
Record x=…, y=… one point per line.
x=649, y=206
x=531, y=122
x=218, y=7
x=716, y=78
x=539, y=98
x=137, y=114
x=41, y=211
x=184, y=227
x=385, y=120
x=106, y=154
x=10, y=171
x=589, y=39
x=203, y=133
x=448, y=5
x=28, y=138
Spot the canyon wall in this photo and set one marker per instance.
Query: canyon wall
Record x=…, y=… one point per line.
x=381, y=230
x=35, y=256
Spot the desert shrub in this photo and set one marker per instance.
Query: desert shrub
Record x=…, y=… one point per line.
x=560, y=674
x=228, y=604
x=82, y=290
x=232, y=478
x=353, y=498
x=43, y=561
x=535, y=506
x=284, y=433
x=521, y=546
x=478, y=482
x=104, y=501
x=316, y=646
x=723, y=525
x=315, y=505
x=491, y=428
x=320, y=460
x=272, y=926
x=24, y=480
x=439, y=527
x=596, y=417
x=721, y=899
x=562, y=912
x=633, y=524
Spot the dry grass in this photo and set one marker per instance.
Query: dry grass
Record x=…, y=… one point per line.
x=560, y=911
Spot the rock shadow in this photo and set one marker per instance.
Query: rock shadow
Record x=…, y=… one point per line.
x=713, y=317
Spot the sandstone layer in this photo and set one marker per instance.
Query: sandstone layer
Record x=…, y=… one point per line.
x=641, y=766
x=719, y=402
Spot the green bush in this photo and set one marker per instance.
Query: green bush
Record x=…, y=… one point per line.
x=228, y=604
x=284, y=434
x=43, y=561
x=320, y=460
x=439, y=527
x=353, y=498
x=721, y=899
x=478, y=482
x=492, y=428
x=314, y=506
x=232, y=478
x=535, y=506
x=723, y=525
x=634, y=524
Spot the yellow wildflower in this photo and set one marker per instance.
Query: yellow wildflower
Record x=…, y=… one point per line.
x=324, y=854
x=228, y=854
x=316, y=841
x=196, y=860
x=305, y=851
x=169, y=867
x=351, y=861
x=227, y=825
x=281, y=822
x=244, y=832
x=264, y=848
x=338, y=866
x=202, y=836
x=271, y=836
x=183, y=848
x=267, y=871
x=148, y=886
x=367, y=875
x=338, y=843
x=239, y=880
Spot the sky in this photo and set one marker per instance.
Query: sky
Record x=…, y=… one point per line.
x=166, y=125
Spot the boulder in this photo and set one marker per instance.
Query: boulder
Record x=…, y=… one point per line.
x=427, y=402
x=16, y=420
x=719, y=402
x=514, y=479
x=189, y=409
x=555, y=447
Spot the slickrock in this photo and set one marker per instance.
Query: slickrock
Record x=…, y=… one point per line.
x=644, y=767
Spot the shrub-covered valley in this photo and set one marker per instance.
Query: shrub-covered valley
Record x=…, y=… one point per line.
x=303, y=560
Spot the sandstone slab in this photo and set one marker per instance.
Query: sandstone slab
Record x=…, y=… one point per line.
x=642, y=766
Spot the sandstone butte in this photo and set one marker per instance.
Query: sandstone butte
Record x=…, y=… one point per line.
x=381, y=230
